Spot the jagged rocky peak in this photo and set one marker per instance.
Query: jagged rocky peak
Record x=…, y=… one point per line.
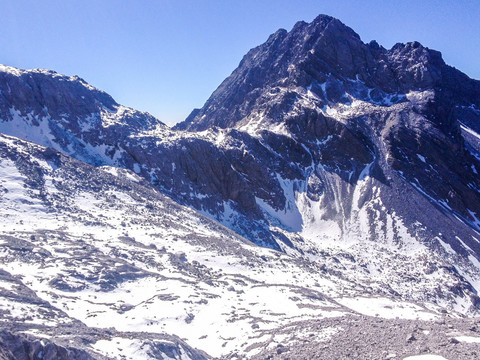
x=330, y=60
x=329, y=117
x=325, y=37
x=284, y=60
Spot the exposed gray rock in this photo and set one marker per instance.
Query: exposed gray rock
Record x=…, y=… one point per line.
x=21, y=347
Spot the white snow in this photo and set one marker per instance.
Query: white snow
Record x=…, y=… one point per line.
x=448, y=248
x=290, y=216
x=470, y=131
x=468, y=339
x=425, y=357
x=130, y=349
x=387, y=308
x=420, y=96
x=476, y=220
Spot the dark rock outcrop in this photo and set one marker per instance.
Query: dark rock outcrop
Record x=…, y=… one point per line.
x=22, y=347
x=328, y=52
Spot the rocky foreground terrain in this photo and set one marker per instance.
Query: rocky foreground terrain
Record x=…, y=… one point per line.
x=324, y=203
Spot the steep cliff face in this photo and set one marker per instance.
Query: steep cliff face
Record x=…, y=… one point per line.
x=330, y=60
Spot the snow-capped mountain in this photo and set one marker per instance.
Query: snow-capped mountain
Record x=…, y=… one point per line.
x=366, y=148
x=328, y=188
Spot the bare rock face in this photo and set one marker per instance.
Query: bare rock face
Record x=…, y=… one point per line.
x=18, y=347
x=328, y=52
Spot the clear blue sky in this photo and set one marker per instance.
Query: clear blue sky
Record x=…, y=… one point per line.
x=167, y=56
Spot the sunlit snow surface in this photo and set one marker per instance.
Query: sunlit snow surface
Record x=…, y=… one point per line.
x=109, y=251
x=425, y=357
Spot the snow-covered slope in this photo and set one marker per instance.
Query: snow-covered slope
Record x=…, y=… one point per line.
x=99, y=253
x=69, y=115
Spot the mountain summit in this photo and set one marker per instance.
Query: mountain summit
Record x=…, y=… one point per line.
x=326, y=51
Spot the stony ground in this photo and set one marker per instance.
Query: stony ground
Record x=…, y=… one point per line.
x=362, y=337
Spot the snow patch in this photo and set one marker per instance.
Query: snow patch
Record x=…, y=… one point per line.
x=468, y=339
x=425, y=357
x=386, y=308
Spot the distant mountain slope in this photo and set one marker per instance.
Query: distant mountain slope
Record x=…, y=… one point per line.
x=69, y=115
